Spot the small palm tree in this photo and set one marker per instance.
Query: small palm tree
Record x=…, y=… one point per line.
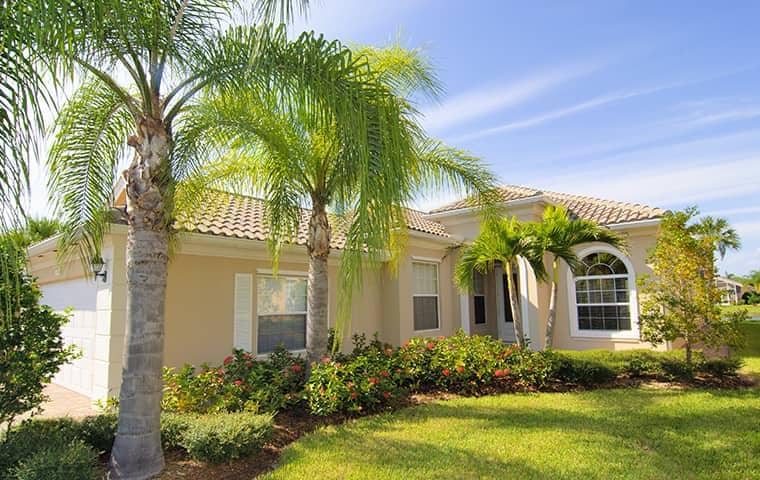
x=559, y=235
x=504, y=241
x=272, y=149
x=144, y=65
x=720, y=233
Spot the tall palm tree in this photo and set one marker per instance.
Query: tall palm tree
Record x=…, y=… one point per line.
x=272, y=149
x=559, y=234
x=720, y=233
x=144, y=64
x=502, y=240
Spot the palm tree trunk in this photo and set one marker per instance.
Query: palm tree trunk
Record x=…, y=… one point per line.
x=318, y=245
x=552, y=305
x=514, y=305
x=137, y=452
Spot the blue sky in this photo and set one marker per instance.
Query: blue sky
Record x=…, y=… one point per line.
x=648, y=102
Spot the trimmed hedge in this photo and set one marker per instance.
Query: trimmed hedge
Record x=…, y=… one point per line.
x=65, y=461
x=226, y=436
x=221, y=437
x=594, y=367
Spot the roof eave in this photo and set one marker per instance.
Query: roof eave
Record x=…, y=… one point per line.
x=467, y=210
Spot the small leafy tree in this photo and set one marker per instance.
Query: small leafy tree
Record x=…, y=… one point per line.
x=31, y=347
x=680, y=301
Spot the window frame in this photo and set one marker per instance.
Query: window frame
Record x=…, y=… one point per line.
x=268, y=273
x=633, y=306
x=437, y=295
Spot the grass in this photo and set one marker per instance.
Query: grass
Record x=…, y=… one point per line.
x=751, y=351
x=752, y=310
x=643, y=433
x=629, y=433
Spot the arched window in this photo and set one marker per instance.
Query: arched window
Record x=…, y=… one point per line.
x=603, y=295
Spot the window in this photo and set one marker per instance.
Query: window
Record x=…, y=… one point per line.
x=281, y=310
x=479, y=297
x=425, y=295
x=603, y=293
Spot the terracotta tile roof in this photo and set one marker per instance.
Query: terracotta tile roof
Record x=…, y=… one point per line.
x=604, y=212
x=241, y=216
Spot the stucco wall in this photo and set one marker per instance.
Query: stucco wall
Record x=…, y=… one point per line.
x=640, y=241
x=200, y=310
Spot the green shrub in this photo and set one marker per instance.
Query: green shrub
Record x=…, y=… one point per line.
x=173, y=428
x=59, y=461
x=585, y=371
x=361, y=382
x=30, y=337
x=241, y=383
x=31, y=436
x=98, y=431
x=224, y=437
x=373, y=375
x=721, y=367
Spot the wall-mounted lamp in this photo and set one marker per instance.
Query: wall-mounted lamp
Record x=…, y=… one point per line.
x=98, y=266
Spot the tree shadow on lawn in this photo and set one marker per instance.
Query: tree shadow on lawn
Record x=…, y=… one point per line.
x=625, y=433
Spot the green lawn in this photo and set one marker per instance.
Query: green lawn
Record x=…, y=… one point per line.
x=752, y=310
x=751, y=351
x=631, y=433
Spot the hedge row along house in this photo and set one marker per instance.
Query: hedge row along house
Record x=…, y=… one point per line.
x=222, y=292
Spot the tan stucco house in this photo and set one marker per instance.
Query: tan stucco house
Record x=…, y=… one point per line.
x=222, y=293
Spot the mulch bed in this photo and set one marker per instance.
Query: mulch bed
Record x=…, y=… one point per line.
x=291, y=425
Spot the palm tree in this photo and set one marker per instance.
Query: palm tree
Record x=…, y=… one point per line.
x=144, y=65
x=720, y=233
x=502, y=240
x=22, y=98
x=559, y=234
x=270, y=148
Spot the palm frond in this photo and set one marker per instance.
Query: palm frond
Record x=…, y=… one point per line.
x=90, y=139
x=407, y=71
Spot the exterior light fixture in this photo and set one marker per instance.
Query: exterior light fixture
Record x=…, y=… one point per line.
x=98, y=266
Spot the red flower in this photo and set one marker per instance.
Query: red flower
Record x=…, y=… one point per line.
x=373, y=380
x=238, y=382
x=228, y=360
x=446, y=372
x=430, y=345
x=325, y=359
x=295, y=368
x=460, y=369
x=385, y=374
x=354, y=395
x=499, y=373
x=386, y=395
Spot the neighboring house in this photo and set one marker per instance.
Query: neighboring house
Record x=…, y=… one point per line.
x=222, y=294
x=730, y=290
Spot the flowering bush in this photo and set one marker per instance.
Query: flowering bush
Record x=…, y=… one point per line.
x=241, y=383
x=366, y=380
x=374, y=374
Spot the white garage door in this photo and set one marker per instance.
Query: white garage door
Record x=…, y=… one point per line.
x=81, y=296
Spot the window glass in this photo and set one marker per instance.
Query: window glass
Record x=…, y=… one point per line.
x=602, y=293
x=281, y=310
x=425, y=295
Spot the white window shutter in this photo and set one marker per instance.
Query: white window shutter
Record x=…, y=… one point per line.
x=243, y=322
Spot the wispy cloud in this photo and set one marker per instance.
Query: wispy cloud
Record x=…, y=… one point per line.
x=734, y=211
x=562, y=112
x=665, y=184
x=489, y=99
